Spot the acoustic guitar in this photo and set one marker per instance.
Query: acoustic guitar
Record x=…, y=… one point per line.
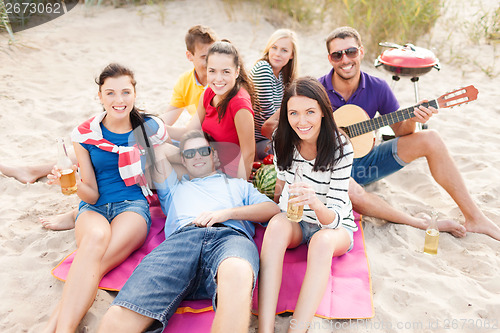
x=356, y=123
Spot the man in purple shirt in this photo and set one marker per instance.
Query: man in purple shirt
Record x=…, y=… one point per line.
x=346, y=84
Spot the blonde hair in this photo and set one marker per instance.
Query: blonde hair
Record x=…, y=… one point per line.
x=291, y=68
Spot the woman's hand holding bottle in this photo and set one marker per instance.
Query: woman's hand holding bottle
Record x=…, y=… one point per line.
x=304, y=194
x=68, y=181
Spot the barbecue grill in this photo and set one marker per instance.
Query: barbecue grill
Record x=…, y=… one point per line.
x=408, y=60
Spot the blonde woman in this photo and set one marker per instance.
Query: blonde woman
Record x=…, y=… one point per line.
x=271, y=75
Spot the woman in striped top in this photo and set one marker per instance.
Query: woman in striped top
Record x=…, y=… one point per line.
x=270, y=75
x=307, y=136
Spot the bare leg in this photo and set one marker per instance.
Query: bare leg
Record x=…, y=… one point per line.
x=370, y=204
x=101, y=247
x=26, y=174
x=234, y=296
x=324, y=244
x=280, y=234
x=63, y=221
x=429, y=144
x=118, y=319
x=93, y=235
x=51, y=325
x=31, y=173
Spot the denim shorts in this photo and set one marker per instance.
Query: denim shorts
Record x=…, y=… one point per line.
x=382, y=161
x=309, y=229
x=184, y=267
x=113, y=209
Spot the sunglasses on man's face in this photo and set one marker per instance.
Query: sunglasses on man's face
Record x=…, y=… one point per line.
x=203, y=151
x=351, y=52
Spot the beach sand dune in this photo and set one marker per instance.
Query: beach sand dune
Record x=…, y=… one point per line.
x=47, y=88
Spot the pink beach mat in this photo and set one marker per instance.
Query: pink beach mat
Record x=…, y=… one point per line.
x=116, y=278
x=348, y=295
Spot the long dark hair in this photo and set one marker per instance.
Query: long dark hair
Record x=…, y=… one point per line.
x=137, y=118
x=242, y=81
x=329, y=139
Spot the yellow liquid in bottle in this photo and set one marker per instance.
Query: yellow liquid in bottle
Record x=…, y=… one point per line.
x=68, y=181
x=293, y=212
x=431, y=241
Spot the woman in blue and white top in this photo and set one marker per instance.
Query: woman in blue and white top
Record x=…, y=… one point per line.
x=113, y=150
x=271, y=75
x=307, y=136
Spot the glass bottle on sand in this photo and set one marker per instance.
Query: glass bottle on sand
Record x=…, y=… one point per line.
x=294, y=212
x=64, y=164
x=432, y=235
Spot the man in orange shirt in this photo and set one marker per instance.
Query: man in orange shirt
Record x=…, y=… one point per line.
x=191, y=84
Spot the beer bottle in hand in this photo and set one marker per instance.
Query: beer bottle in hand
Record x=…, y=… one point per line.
x=294, y=212
x=65, y=166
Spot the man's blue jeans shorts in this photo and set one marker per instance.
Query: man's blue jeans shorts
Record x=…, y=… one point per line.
x=184, y=267
x=382, y=161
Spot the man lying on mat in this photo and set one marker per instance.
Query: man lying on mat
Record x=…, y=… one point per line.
x=208, y=251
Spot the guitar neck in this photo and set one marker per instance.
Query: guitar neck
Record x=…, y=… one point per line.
x=385, y=120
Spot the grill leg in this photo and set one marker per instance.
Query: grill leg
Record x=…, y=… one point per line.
x=385, y=133
x=417, y=99
x=395, y=79
x=415, y=87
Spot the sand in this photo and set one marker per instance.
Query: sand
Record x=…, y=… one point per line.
x=46, y=88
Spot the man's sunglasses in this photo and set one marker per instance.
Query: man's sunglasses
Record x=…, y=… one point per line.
x=351, y=52
x=203, y=151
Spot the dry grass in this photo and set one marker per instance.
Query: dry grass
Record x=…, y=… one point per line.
x=4, y=21
x=399, y=21
x=303, y=12
x=124, y=3
x=486, y=26
x=471, y=42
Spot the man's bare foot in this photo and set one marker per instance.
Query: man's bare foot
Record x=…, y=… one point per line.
x=25, y=174
x=483, y=225
x=453, y=227
x=63, y=221
x=444, y=225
